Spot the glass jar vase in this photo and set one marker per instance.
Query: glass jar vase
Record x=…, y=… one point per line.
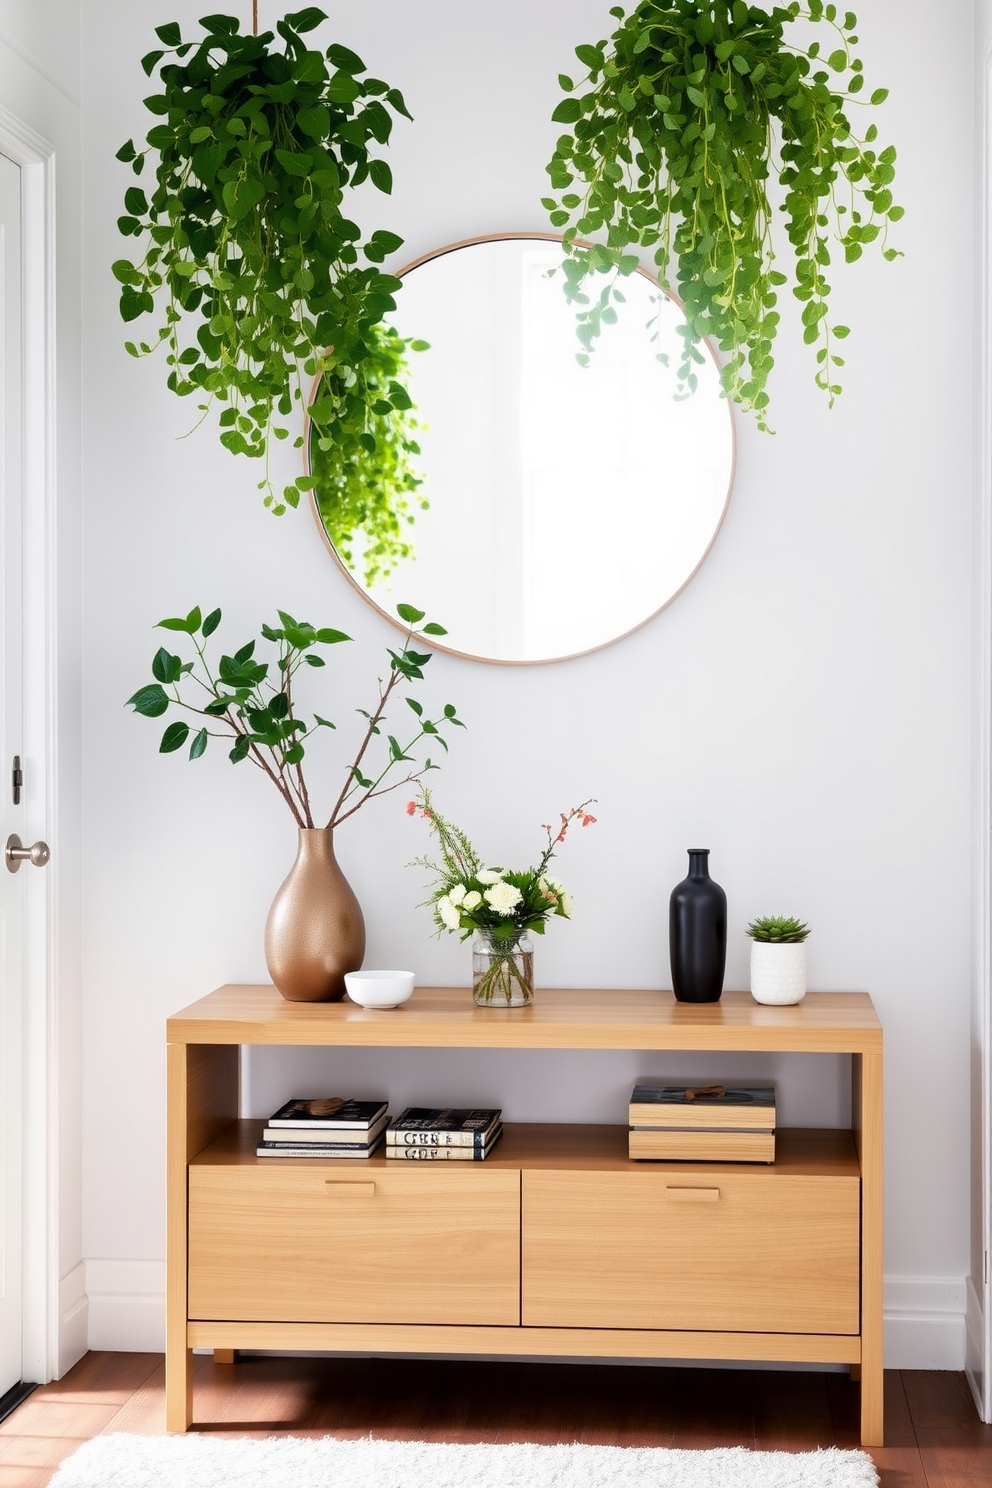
x=502, y=970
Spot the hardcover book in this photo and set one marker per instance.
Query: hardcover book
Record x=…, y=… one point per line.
x=744, y=1107
x=709, y=1145
x=307, y=1136
x=318, y=1149
x=401, y=1152
x=443, y=1126
x=329, y=1112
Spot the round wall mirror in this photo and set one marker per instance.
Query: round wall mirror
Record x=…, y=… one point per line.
x=566, y=505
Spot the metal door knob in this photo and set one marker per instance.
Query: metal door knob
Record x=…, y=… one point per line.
x=15, y=853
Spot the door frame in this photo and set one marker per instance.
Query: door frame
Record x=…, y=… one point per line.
x=978, y=1366
x=36, y=158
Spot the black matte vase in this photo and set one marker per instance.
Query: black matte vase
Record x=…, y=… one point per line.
x=697, y=933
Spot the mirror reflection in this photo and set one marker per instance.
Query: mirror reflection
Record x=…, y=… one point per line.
x=566, y=505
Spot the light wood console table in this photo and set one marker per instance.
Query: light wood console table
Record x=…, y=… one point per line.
x=556, y=1245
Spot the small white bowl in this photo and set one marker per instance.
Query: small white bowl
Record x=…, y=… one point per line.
x=379, y=989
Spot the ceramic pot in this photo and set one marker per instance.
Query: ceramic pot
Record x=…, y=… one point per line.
x=778, y=972
x=315, y=931
x=697, y=933
x=502, y=971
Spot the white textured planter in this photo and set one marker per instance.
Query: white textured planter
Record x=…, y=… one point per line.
x=778, y=972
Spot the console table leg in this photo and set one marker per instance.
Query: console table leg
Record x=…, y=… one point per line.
x=225, y=1356
x=178, y=1389
x=867, y=1101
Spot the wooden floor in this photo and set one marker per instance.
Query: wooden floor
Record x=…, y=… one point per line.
x=934, y=1437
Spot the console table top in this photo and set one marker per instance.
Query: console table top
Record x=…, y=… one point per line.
x=558, y=1018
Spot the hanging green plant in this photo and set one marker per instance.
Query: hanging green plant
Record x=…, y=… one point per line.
x=265, y=282
x=691, y=110
x=370, y=492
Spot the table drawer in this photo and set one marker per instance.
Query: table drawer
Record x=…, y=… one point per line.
x=408, y=1244
x=727, y=1251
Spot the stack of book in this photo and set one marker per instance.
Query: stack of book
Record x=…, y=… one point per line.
x=702, y=1123
x=328, y=1127
x=444, y=1133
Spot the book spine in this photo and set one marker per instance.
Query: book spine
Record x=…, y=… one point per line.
x=278, y=1142
x=437, y=1154
x=397, y=1138
x=659, y=1114
x=316, y=1149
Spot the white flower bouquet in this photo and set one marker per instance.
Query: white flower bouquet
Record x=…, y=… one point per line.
x=501, y=903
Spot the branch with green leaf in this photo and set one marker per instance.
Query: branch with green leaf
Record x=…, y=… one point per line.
x=248, y=244
x=687, y=112
x=252, y=702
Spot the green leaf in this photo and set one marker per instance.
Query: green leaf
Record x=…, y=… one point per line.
x=408, y=614
x=879, y=95
x=174, y=737
x=341, y=57
x=308, y=20
x=150, y=702
x=181, y=624
x=169, y=34
x=240, y=750
x=591, y=57
x=295, y=163
x=199, y=744
x=381, y=175
x=569, y=111
x=166, y=667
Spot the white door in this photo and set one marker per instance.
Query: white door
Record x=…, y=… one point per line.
x=12, y=885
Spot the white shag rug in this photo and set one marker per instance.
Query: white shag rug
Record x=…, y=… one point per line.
x=192, y=1461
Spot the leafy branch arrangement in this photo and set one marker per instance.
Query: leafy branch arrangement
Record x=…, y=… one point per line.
x=778, y=930
x=248, y=243
x=252, y=702
x=690, y=109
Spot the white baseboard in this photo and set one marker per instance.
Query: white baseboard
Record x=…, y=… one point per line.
x=925, y=1324
x=975, y=1348
x=126, y=1305
x=73, y=1319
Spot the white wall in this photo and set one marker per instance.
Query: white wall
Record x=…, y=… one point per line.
x=803, y=708
x=40, y=90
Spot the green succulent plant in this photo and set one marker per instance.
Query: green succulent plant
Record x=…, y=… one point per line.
x=690, y=118
x=778, y=930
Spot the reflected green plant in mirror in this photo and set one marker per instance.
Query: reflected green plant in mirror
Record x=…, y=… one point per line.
x=362, y=453
x=687, y=115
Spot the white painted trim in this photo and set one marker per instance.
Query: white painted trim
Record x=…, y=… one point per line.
x=978, y=1365
x=126, y=1305
x=925, y=1322
x=73, y=1319
x=36, y=158
x=974, y=1365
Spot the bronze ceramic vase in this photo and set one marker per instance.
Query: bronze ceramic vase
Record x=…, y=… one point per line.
x=315, y=931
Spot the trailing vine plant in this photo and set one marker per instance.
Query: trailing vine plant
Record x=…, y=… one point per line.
x=263, y=282
x=687, y=114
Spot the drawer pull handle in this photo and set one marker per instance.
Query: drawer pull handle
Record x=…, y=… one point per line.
x=344, y=1185
x=692, y=1195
